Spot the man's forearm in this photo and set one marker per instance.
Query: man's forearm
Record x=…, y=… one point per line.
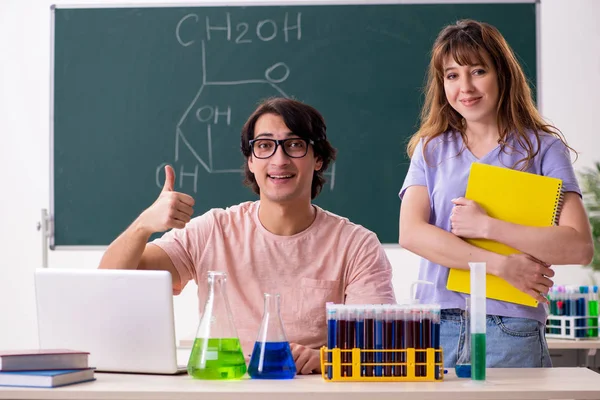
x=125, y=252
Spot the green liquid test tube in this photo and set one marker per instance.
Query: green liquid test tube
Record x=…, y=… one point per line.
x=593, y=312
x=478, y=351
x=478, y=320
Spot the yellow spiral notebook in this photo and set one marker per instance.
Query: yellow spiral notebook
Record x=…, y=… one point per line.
x=514, y=196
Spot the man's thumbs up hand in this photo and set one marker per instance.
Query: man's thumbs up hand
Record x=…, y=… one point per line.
x=169, y=179
x=170, y=210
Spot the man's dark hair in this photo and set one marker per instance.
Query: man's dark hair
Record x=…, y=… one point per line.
x=304, y=121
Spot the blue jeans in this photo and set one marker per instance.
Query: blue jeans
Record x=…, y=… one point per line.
x=510, y=342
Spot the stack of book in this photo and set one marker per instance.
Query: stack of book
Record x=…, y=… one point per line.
x=44, y=368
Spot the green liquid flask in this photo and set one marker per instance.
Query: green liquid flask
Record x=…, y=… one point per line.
x=217, y=353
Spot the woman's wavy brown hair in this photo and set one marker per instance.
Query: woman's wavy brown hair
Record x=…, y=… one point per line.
x=467, y=42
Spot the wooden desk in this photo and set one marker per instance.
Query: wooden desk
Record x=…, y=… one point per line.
x=586, y=348
x=573, y=344
x=550, y=383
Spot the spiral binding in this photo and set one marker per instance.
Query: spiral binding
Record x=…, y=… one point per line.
x=560, y=197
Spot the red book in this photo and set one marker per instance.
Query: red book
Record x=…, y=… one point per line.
x=42, y=359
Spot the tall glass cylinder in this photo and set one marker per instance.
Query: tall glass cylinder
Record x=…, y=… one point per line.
x=478, y=320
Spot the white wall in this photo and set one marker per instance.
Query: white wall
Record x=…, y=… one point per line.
x=570, y=84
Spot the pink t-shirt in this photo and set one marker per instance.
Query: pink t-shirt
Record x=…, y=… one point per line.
x=332, y=260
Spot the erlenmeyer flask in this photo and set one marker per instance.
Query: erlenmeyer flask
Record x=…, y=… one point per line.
x=463, y=362
x=272, y=356
x=217, y=353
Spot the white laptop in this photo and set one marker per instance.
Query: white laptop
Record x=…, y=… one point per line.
x=124, y=318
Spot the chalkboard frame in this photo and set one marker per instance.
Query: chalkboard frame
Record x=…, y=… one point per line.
x=51, y=223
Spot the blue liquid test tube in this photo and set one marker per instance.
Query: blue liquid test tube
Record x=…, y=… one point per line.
x=581, y=311
x=331, y=335
x=435, y=337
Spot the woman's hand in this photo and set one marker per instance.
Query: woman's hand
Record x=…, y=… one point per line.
x=527, y=274
x=468, y=220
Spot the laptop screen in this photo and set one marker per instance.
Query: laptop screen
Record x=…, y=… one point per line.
x=124, y=318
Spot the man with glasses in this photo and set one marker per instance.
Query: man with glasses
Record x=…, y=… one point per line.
x=281, y=243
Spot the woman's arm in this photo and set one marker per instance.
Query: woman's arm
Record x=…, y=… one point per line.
x=568, y=243
x=444, y=248
x=433, y=243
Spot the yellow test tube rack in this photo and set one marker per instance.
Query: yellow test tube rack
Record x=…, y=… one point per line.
x=337, y=371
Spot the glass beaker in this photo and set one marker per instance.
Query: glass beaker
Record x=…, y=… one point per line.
x=217, y=353
x=272, y=355
x=463, y=363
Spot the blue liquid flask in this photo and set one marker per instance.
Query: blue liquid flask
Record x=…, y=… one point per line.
x=272, y=355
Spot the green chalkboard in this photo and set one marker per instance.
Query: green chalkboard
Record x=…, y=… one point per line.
x=135, y=88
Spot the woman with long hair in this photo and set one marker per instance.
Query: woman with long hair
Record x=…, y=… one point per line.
x=478, y=108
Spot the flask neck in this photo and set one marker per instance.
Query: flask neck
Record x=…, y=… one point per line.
x=216, y=287
x=271, y=329
x=271, y=305
x=216, y=280
x=216, y=320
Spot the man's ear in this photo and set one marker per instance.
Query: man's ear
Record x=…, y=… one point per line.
x=318, y=164
x=250, y=164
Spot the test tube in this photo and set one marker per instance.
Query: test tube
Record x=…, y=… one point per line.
x=389, y=338
x=435, y=337
x=593, y=311
x=478, y=318
x=557, y=309
x=560, y=307
x=427, y=340
x=581, y=311
x=406, y=338
x=369, y=339
x=410, y=338
x=399, y=338
x=552, y=309
x=331, y=335
x=570, y=309
x=360, y=335
x=379, y=338
x=417, y=317
x=350, y=337
x=341, y=337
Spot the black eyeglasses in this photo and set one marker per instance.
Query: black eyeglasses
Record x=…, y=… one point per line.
x=292, y=147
